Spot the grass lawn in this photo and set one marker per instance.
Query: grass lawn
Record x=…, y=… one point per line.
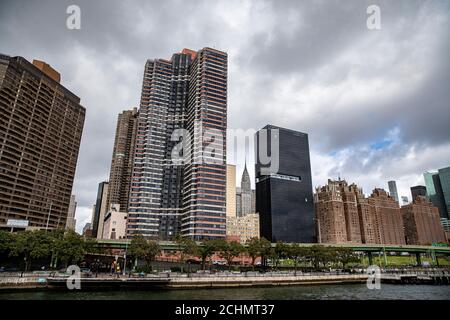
x=391, y=261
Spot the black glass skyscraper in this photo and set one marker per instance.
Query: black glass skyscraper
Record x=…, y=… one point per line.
x=284, y=198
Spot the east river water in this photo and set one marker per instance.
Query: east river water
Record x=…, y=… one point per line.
x=301, y=292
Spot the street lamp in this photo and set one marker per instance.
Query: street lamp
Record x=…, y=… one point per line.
x=48, y=218
x=125, y=257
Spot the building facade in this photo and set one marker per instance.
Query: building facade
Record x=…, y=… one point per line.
x=422, y=222
x=337, y=218
x=435, y=191
x=231, y=190
x=418, y=191
x=244, y=227
x=122, y=159
x=186, y=95
x=114, y=224
x=284, y=198
x=444, y=178
x=99, y=210
x=405, y=200
x=41, y=123
x=245, y=196
x=345, y=215
x=393, y=189
x=388, y=218
x=87, y=229
x=71, y=221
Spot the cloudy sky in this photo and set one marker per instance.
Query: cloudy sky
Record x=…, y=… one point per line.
x=375, y=103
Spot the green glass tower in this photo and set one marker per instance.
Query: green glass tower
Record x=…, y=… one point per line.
x=438, y=190
x=444, y=178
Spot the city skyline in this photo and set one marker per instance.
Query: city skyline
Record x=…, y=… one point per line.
x=272, y=78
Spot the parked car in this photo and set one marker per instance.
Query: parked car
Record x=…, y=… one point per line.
x=192, y=261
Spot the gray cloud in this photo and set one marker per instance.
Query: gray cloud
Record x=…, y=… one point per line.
x=312, y=66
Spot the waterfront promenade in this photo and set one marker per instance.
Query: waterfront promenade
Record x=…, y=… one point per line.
x=165, y=280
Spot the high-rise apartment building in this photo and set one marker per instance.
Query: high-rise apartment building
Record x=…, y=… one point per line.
x=284, y=198
x=185, y=97
x=389, y=222
x=231, y=191
x=41, y=123
x=422, y=222
x=100, y=209
x=418, y=191
x=71, y=221
x=122, y=160
x=437, y=183
x=337, y=218
x=367, y=217
x=393, y=189
x=345, y=215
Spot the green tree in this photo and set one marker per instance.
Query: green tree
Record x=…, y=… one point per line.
x=346, y=256
x=316, y=254
x=141, y=248
x=254, y=250
x=70, y=248
x=56, y=236
x=297, y=254
x=265, y=250
x=6, y=239
x=321, y=255
x=185, y=247
x=280, y=251
x=229, y=251
x=31, y=245
x=206, y=250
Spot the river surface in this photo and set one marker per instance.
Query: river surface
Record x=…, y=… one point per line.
x=301, y=292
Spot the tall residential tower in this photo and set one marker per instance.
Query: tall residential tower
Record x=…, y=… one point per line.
x=183, y=99
x=41, y=123
x=122, y=160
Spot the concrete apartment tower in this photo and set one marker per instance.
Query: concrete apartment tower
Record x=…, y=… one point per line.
x=167, y=197
x=40, y=133
x=122, y=160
